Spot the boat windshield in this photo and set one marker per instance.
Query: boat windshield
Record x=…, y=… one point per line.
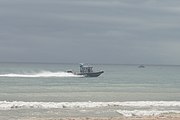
x=86, y=69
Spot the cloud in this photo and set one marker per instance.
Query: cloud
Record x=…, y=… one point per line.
x=117, y=31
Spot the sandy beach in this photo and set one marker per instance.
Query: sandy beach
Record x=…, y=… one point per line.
x=160, y=117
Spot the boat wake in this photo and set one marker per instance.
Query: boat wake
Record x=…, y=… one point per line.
x=40, y=74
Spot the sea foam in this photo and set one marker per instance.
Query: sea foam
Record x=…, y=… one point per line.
x=5, y=105
x=40, y=74
x=130, y=113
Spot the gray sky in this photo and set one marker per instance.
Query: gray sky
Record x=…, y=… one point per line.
x=90, y=31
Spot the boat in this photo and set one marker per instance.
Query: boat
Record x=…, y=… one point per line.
x=141, y=66
x=87, y=71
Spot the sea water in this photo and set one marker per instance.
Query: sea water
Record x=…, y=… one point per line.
x=29, y=90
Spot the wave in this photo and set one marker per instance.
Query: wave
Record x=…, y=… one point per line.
x=40, y=74
x=5, y=105
x=130, y=113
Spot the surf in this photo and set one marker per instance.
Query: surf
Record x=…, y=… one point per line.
x=140, y=113
x=132, y=104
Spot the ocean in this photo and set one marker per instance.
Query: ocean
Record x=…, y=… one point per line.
x=35, y=90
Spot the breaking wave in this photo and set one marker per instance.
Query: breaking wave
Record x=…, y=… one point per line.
x=130, y=113
x=127, y=109
x=40, y=74
x=5, y=105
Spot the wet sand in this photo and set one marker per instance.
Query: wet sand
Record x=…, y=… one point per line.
x=160, y=117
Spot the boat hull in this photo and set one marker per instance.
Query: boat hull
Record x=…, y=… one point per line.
x=91, y=74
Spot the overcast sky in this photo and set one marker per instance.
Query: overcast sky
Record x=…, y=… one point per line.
x=90, y=31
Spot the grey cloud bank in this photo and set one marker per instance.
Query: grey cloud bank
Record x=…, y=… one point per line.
x=94, y=31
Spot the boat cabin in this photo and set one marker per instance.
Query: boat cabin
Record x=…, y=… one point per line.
x=85, y=69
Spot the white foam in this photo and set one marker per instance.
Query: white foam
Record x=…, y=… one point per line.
x=41, y=74
x=4, y=105
x=150, y=103
x=128, y=113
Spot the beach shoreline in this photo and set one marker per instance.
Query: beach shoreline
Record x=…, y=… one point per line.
x=159, y=117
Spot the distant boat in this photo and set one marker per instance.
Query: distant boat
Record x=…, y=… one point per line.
x=87, y=71
x=141, y=66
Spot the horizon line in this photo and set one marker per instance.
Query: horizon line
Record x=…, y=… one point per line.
x=28, y=62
